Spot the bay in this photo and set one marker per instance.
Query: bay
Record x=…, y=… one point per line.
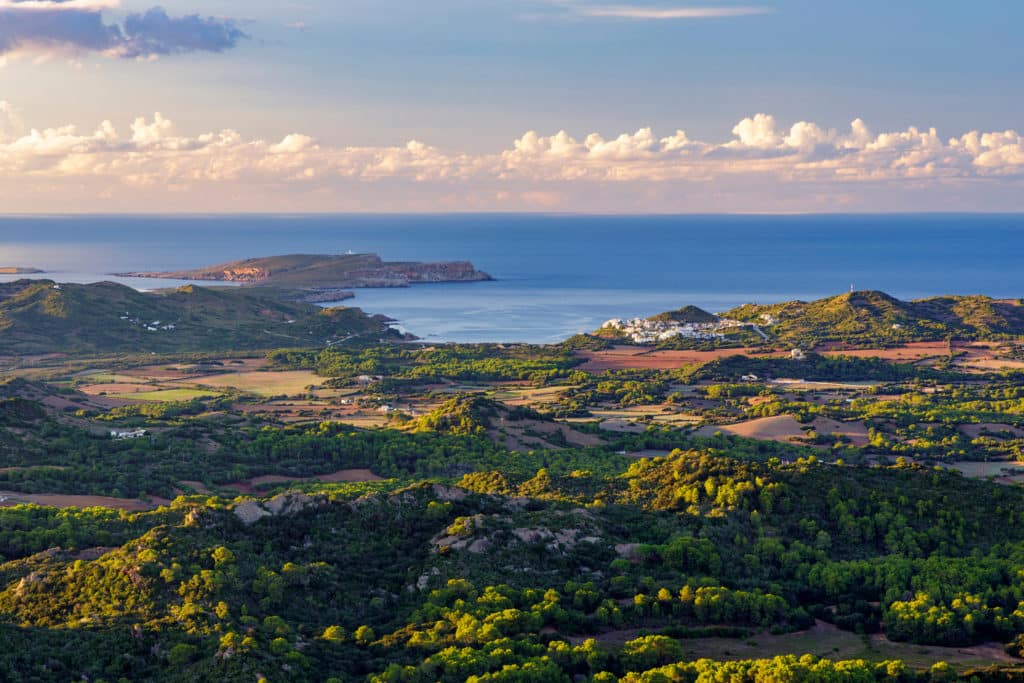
x=556, y=274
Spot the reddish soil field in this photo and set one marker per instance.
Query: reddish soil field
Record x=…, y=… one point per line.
x=622, y=357
x=856, y=432
x=167, y=371
x=983, y=355
x=350, y=475
x=116, y=388
x=785, y=428
x=107, y=402
x=778, y=428
x=975, y=430
x=914, y=351
x=970, y=353
x=985, y=364
x=12, y=498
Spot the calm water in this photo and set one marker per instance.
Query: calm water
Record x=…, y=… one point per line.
x=558, y=275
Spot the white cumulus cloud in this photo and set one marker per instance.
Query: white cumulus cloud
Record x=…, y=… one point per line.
x=150, y=160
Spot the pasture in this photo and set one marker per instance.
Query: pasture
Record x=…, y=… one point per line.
x=261, y=382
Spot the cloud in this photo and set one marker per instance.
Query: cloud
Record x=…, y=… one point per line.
x=760, y=166
x=77, y=26
x=10, y=121
x=291, y=144
x=662, y=13
x=156, y=33
x=758, y=132
x=46, y=5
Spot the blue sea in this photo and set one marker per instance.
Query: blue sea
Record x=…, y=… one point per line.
x=557, y=274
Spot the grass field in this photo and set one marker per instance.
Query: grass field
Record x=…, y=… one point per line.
x=634, y=418
x=260, y=382
x=103, y=377
x=527, y=396
x=365, y=421
x=166, y=395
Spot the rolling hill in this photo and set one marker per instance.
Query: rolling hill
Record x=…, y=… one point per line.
x=41, y=316
x=875, y=317
x=686, y=314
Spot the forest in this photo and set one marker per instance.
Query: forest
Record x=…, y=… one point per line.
x=390, y=511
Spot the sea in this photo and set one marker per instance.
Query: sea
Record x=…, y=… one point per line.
x=555, y=275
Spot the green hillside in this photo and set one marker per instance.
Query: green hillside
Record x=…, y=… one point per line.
x=327, y=270
x=872, y=317
x=41, y=316
x=546, y=578
x=686, y=314
x=289, y=268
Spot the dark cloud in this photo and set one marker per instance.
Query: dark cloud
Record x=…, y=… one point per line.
x=82, y=29
x=155, y=33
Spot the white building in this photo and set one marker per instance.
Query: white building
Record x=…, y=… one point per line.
x=131, y=434
x=643, y=331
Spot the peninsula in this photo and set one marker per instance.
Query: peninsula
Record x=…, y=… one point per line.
x=19, y=270
x=315, y=274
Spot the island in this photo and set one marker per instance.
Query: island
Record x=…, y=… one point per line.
x=325, y=277
x=19, y=270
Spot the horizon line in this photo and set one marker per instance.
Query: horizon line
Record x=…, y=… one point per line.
x=581, y=214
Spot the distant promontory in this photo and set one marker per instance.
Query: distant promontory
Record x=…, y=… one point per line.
x=19, y=270
x=314, y=273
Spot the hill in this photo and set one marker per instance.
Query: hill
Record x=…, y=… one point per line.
x=601, y=577
x=517, y=429
x=872, y=317
x=41, y=316
x=317, y=271
x=686, y=314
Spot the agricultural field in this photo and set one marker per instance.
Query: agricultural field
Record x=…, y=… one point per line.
x=585, y=510
x=164, y=395
x=264, y=383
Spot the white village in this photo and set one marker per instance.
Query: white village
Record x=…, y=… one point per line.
x=652, y=331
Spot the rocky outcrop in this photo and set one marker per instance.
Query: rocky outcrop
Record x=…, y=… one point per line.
x=252, y=511
x=322, y=296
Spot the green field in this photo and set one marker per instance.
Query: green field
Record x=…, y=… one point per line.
x=166, y=395
x=264, y=383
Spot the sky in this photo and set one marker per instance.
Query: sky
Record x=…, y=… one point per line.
x=610, y=106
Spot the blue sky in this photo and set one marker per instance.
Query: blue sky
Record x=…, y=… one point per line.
x=468, y=77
